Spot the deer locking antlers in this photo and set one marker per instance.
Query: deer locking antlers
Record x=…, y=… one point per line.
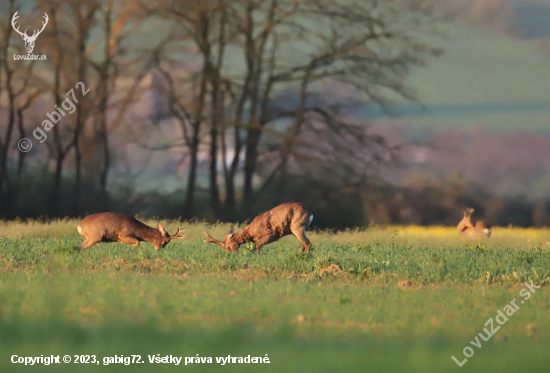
x=285, y=219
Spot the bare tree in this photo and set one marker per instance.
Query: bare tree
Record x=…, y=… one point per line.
x=119, y=20
x=288, y=48
x=366, y=45
x=17, y=77
x=83, y=16
x=202, y=25
x=62, y=145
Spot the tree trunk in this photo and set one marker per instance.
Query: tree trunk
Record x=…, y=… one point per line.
x=214, y=190
x=84, y=26
x=59, y=154
x=106, y=162
x=6, y=189
x=104, y=138
x=194, y=149
x=294, y=133
x=250, y=160
x=103, y=85
x=191, y=175
x=232, y=171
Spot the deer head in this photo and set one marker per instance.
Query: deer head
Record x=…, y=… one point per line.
x=166, y=237
x=466, y=221
x=228, y=243
x=29, y=40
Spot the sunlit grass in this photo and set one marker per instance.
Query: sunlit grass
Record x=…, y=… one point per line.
x=420, y=290
x=512, y=237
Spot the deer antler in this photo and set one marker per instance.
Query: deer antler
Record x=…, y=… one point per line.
x=177, y=233
x=212, y=240
x=24, y=34
x=43, y=26
x=15, y=16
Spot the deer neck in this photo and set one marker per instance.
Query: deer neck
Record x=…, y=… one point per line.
x=464, y=224
x=242, y=236
x=146, y=233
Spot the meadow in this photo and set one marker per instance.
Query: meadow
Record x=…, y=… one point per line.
x=380, y=299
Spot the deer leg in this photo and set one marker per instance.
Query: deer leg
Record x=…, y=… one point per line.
x=87, y=243
x=89, y=240
x=129, y=240
x=300, y=234
x=260, y=242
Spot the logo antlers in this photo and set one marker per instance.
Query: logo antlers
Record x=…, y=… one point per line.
x=29, y=40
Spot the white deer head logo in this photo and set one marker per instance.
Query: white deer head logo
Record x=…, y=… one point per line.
x=29, y=40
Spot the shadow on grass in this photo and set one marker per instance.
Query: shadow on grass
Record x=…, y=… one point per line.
x=287, y=350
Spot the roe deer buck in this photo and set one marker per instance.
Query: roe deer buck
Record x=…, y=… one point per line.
x=111, y=227
x=269, y=227
x=469, y=229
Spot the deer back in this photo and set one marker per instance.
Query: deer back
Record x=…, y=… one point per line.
x=112, y=226
x=279, y=220
x=482, y=228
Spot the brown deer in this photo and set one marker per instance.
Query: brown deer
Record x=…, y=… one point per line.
x=469, y=229
x=268, y=227
x=111, y=227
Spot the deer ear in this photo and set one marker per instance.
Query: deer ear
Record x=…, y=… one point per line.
x=230, y=231
x=161, y=229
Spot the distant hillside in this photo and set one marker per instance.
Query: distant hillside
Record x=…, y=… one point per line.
x=487, y=109
x=484, y=77
x=531, y=18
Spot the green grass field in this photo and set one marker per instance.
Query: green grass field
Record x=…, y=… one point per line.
x=383, y=299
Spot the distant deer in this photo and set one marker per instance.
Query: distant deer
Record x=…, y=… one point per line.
x=469, y=229
x=111, y=227
x=268, y=227
x=29, y=40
